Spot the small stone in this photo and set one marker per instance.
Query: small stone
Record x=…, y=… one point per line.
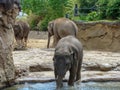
x=105, y=67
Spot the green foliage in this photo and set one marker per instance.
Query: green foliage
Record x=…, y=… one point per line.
x=42, y=11
x=47, y=10
x=35, y=6
x=69, y=7
x=113, y=10
x=103, y=9
x=82, y=16
x=44, y=23
x=109, y=9
x=86, y=6
x=33, y=20
x=61, y=7
x=93, y=16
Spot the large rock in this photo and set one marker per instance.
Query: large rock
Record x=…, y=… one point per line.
x=6, y=60
x=100, y=35
x=7, y=70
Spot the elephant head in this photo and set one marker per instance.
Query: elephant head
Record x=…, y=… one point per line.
x=62, y=63
x=18, y=33
x=50, y=31
x=17, y=29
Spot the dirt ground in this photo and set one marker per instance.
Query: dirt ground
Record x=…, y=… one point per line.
x=37, y=56
x=37, y=39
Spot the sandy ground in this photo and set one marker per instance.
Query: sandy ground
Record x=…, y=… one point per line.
x=37, y=39
x=38, y=54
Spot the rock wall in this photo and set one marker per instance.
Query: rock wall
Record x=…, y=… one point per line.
x=99, y=35
x=7, y=69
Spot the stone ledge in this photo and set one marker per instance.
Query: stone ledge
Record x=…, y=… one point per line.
x=100, y=35
x=87, y=76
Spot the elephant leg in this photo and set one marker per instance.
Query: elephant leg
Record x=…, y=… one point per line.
x=55, y=73
x=25, y=42
x=59, y=82
x=18, y=42
x=56, y=39
x=72, y=76
x=78, y=73
x=21, y=42
x=48, y=40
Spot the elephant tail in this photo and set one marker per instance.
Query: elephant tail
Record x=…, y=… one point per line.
x=75, y=29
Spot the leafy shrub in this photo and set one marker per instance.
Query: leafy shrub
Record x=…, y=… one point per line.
x=44, y=23
x=33, y=20
x=113, y=10
x=92, y=16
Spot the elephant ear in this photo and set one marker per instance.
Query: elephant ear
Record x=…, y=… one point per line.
x=73, y=56
x=50, y=27
x=51, y=24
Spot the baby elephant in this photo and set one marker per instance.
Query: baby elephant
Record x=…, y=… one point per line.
x=68, y=57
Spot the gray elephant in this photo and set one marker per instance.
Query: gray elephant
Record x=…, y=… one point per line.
x=21, y=32
x=68, y=57
x=61, y=27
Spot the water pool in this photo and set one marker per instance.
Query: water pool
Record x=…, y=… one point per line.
x=82, y=86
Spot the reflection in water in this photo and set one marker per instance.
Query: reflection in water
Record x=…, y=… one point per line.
x=82, y=86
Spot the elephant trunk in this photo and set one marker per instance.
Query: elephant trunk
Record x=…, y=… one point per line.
x=48, y=40
x=59, y=82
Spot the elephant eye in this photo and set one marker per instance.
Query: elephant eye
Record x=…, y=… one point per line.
x=67, y=64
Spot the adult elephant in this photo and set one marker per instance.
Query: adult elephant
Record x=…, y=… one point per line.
x=59, y=28
x=21, y=32
x=68, y=57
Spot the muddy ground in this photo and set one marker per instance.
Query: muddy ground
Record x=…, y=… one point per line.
x=35, y=63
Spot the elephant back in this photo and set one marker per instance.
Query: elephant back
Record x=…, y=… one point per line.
x=64, y=27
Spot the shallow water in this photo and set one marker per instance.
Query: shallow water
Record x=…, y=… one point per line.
x=82, y=86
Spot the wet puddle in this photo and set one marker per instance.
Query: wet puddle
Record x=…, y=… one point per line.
x=82, y=86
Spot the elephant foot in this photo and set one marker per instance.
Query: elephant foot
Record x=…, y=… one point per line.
x=59, y=87
x=78, y=82
x=71, y=83
x=20, y=48
x=17, y=47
